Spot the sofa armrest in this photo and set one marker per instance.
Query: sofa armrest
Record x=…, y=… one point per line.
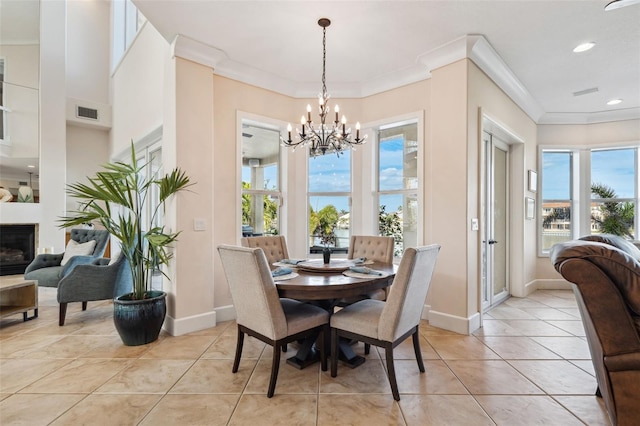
x=101, y=261
x=75, y=261
x=44, y=261
x=623, y=362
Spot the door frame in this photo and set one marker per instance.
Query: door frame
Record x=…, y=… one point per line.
x=492, y=143
x=517, y=179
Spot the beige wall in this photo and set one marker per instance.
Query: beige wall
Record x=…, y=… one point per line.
x=229, y=97
x=490, y=100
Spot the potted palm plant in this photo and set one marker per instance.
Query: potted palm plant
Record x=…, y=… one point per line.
x=118, y=199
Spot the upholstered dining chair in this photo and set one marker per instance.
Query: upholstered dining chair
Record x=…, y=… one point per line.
x=85, y=246
x=273, y=246
x=387, y=324
x=371, y=247
x=261, y=313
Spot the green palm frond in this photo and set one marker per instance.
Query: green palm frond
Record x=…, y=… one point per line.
x=116, y=198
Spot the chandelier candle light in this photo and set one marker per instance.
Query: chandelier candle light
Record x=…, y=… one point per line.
x=333, y=137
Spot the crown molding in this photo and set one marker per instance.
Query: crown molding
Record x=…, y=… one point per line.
x=590, y=118
x=474, y=47
x=488, y=60
x=193, y=50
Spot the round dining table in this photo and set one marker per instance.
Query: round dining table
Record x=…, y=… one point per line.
x=327, y=286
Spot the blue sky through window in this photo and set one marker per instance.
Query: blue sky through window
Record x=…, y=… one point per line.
x=615, y=168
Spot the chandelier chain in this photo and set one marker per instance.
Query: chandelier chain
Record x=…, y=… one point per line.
x=324, y=60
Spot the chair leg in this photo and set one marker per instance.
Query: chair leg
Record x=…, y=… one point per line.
x=239, y=343
x=84, y=306
x=63, y=314
x=367, y=348
x=275, y=365
x=324, y=335
x=391, y=371
x=334, y=352
x=416, y=348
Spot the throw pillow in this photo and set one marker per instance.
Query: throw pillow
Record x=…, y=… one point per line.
x=75, y=248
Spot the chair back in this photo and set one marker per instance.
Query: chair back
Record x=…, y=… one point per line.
x=99, y=235
x=373, y=247
x=273, y=246
x=253, y=291
x=403, y=308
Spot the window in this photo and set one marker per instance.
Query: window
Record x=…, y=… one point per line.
x=613, y=191
x=261, y=193
x=329, y=202
x=580, y=200
x=127, y=20
x=397, y=184
x=556, y=198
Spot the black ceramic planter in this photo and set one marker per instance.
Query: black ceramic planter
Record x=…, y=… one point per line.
x=139, y=321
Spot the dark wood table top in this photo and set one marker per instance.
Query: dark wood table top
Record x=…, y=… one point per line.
x=330, y=284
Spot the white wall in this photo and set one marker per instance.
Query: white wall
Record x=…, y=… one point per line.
x=138, y=88
x=53, y=167
x=87, y=149
x=88, y=47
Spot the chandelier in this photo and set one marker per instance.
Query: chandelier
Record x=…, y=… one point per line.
x=324, y=137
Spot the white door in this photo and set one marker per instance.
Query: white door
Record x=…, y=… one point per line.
x=495, y=273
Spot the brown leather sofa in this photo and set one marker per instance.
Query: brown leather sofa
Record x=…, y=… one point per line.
x=605, y=272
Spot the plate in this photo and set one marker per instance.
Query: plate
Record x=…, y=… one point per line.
x=319, y=266
x=286, y=277
x=361, y=275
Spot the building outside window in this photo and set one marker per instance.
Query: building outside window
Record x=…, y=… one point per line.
x=397, y=184
x=261, y=189
x=556, y=198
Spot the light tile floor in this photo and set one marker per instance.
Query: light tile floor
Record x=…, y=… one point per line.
x=529, y=365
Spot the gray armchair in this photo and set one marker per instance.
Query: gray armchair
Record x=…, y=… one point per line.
x=47, y=269
x=96, y=281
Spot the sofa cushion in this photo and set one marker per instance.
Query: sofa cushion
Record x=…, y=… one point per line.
x=76, y=249
x=618, y=265
x=616, y=241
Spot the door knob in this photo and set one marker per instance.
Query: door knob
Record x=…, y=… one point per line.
x=493, y=242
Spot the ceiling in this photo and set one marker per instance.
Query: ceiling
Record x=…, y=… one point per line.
x=377, y=45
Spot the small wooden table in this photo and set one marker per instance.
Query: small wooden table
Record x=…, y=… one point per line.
x=18, y=295
x=326, y=289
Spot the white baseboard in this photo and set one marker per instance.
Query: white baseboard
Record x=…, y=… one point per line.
x=453, y=323
x=178, y=327
x=226, y=313
x=547, y=284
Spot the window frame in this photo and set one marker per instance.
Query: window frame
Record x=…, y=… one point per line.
x=404, y=192
x=581, y=193
x=341, y=194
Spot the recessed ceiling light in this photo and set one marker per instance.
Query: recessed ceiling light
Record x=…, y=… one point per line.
x=31, y=166
x=614, y=102
x=583, y=47
x=617, y=4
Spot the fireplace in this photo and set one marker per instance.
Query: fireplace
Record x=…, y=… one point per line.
x=17, y=248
